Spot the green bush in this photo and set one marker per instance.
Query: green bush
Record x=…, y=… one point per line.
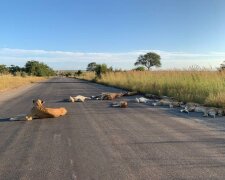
x=140, y=68
x=79, y=72
x=100, y=69
x=68, y=74
x=36, y=68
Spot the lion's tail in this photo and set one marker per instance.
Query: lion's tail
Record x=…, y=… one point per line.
x=18, y=117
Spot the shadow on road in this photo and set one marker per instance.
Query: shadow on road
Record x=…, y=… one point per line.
x=5, y=120
x=64, y=82
x=8, y=120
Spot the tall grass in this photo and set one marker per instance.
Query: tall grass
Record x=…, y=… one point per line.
x=87, y=76
x=10, y=82
x=205, y=87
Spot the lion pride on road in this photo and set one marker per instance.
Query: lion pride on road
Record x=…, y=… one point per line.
x=39, y=111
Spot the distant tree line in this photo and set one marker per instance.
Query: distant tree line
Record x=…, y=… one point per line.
x=31, y=68
x=147, y=60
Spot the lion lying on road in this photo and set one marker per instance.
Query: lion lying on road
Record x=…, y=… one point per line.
x=107, y=96
x=41, y=112
x=207, y=111
x=78, y=98
x=121, y=104
x=112, y=96
x=168, y=102
x=142, y=100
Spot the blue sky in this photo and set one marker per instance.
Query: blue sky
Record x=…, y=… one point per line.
x=68, y=34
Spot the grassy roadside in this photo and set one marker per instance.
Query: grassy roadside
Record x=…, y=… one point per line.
x=10, y=82
x=205, y=87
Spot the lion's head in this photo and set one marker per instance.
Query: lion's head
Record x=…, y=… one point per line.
x=123, y=104
x=221, y=112
x=38, y=102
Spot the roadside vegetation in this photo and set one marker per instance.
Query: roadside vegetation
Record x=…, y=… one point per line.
x=205, y=87
x=9, y=82
x=193, y=85
x=31, y=68
x=15, y=76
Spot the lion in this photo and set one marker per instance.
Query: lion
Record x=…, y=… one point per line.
x=189, y=107
x=152, y=96
x=142, y=100
x=132, y=93
x=78, y=98
x=207, y=111
x=121, y=104
x=112, y=96
x=167, y=102
x=210, y=111
x=40, y=112
x=107, y=96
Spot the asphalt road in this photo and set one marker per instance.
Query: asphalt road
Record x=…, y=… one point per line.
x=95, y=141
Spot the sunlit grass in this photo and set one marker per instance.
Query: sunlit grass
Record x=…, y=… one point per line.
x=205, y=87
x=10, y=82
x=87, y=76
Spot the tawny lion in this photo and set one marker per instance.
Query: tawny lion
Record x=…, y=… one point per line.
x=107, y=96
x=121, y=104
x=41, y=112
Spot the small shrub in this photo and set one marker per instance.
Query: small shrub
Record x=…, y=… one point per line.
x=140, y=68
x=79, y=72
x=23, y=74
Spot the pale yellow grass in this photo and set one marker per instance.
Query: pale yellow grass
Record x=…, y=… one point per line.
x=87, y=76
x=9, y=82
x=205, y=87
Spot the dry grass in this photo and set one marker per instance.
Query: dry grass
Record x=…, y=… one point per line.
x=87, y=76
x=10, y=82
x=205, y=87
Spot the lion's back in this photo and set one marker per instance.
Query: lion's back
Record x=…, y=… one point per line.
x=56, y=112
x=40, y=113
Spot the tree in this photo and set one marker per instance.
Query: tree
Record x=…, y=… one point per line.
x=91, y=66
x=79, y=72
x=222, y=67
x=100, y=69
x=36, y=68
x=149, y=60
x=68, y=74
x=14, y=69
x=31, y=67
x=3, y=69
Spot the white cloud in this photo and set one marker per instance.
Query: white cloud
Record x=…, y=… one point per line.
x=125, y=60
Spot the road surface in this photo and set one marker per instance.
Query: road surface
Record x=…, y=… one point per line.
x=97, y=142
